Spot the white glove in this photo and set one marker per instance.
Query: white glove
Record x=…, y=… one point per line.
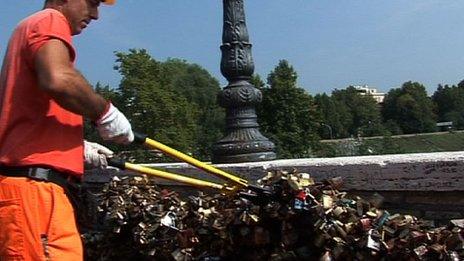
x=114, y=126
x=95, y=155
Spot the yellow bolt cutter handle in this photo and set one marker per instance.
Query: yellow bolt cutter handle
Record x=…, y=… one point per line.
x=121, y=164
x=143, y=139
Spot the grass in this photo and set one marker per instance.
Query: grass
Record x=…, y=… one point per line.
x=431, y=142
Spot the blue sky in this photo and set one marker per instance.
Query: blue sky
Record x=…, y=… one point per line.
x=331, y=44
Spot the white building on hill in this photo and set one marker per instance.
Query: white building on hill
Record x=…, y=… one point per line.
x=365, y=90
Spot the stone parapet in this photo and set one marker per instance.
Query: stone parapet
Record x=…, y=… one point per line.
x=430, y=185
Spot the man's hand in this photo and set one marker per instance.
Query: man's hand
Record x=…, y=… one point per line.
x=95, y=155
x=114, y=126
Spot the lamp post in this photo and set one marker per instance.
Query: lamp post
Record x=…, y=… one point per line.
x=243, y=141
x=330, y=129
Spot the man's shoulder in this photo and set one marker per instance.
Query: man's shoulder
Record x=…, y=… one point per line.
x=47, y=13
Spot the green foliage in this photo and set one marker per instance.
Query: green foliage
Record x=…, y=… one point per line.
x=348, y=114
x=200, y=88
x=172, y=102
x=287, y=114
x=450, y=104
x=430, y=142
x=380, y=146
x=153, y=106
x=410, y=108
x=392, y=127
x=329, y=116
x=257, y=82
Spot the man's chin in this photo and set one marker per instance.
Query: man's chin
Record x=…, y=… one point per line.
x=77, y=31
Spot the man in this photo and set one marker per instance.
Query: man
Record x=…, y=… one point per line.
x=42, y=102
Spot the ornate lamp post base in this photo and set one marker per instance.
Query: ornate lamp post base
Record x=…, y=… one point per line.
x=237, y=148
x=222, y=153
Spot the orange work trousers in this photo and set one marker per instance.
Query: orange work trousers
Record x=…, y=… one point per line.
x=37, y=222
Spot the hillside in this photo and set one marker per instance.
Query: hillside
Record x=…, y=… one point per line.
x=413, y=143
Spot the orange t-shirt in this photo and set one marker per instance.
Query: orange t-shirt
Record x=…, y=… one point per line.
x=34, y=129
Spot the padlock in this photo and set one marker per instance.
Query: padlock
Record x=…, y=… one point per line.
x=373, y=240
x=365, y=224
x=420, y=251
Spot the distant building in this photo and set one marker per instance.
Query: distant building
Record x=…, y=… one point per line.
x=365, y=90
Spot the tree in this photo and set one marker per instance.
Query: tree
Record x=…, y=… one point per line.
x=287, y=114
x=201, y=89
x=333, y=117
x=449, y=101
x=172, y=102
x=359, y=114
x=410, y=108
x=152, y=106
x=257, y=82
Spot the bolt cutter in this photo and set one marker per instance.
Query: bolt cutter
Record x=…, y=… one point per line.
x=235, y=183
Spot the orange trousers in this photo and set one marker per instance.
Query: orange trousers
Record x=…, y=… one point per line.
x=37, y=222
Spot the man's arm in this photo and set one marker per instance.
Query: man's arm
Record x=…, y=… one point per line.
x=57, y=77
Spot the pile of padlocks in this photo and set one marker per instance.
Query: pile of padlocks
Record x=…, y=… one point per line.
x=301, y=220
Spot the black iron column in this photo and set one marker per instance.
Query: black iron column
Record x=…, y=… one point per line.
x=243, y=141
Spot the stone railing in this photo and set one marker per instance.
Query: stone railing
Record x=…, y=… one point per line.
x=428, y=185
